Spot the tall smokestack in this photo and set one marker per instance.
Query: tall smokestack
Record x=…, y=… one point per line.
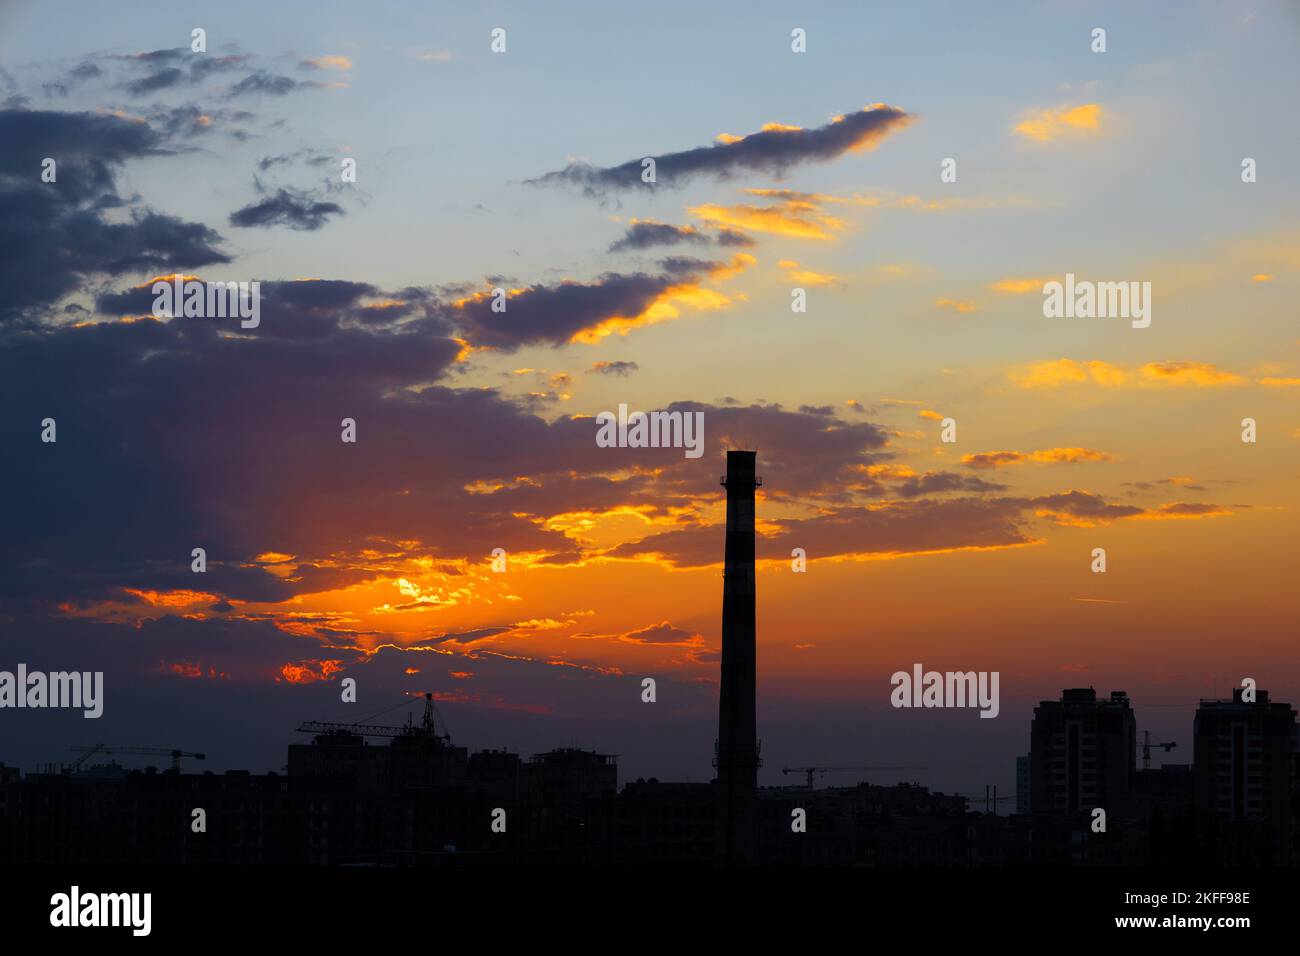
x=737, y=748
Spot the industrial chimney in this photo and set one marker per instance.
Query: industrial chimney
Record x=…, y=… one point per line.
x=737, y=748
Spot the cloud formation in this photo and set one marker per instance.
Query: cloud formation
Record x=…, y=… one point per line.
x=286, y=207
x=575, y=311
x=772, y=151
x=787, y=213
x=1045, y=125
x=1051, y=456
x=55, y=235
x=1170, y=373
x=644, y=233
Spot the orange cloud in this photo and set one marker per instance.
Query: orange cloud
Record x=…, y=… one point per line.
x=668, y=304
x=192, y=671
x=782, y=220
x=806, y=276
x=176, y=598
x=665, y=304
x=332, y=62
x=1188, y=373
x=956, y=305
x=1049, y=124
x=1054, y=456
x=309, y=671
x=794, y=214
x=273, y=557
x=1018, y=286
x=1057, y=372
x=1182, y=510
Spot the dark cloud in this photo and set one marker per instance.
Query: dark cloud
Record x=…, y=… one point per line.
x=664, y=632
x=688, y=266
x=471, y=636
x=297, y=210
x=730, y=237
x=643, y=235
x=162, y=417
x=898, y=528
x=141, y=413
x=552, y=315
x=153, y=57
x=311, y=157
x=85, y=71
x=306, y=309
x=771, y=151
x=647, y=234
x=143, y=73
x=174, y=122
x=805, y=452
x=942, y=482
x=160, y=80
x=555, y=314
x=204, y=66
x=54, y=235
x=1084, y=504
x=87, y=146
x=614, y=368
x=268, y=84
x=902, y=527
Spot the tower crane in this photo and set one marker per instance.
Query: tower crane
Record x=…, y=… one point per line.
x=1147, y=745
x=176, y=755
x=815, y=770
x=427, y=728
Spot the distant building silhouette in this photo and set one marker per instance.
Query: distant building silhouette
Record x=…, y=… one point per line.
x=1023, y=778
x=1082, y=752
x=1245, y=767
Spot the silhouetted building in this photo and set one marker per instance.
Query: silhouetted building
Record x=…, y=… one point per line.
x=1168, y=787
x=865, y=825
x=1022, y=784
x=568, y=778
x=1244, y=757
x=418, y=800
x=1082, y=752
x=737, y=754
x=666, y=824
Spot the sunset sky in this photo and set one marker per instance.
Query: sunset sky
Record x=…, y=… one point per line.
x=521, y=170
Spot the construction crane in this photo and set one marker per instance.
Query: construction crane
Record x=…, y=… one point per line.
x=426, y=728
x=1147, y=745
x=176, y=755
x=814, y=770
